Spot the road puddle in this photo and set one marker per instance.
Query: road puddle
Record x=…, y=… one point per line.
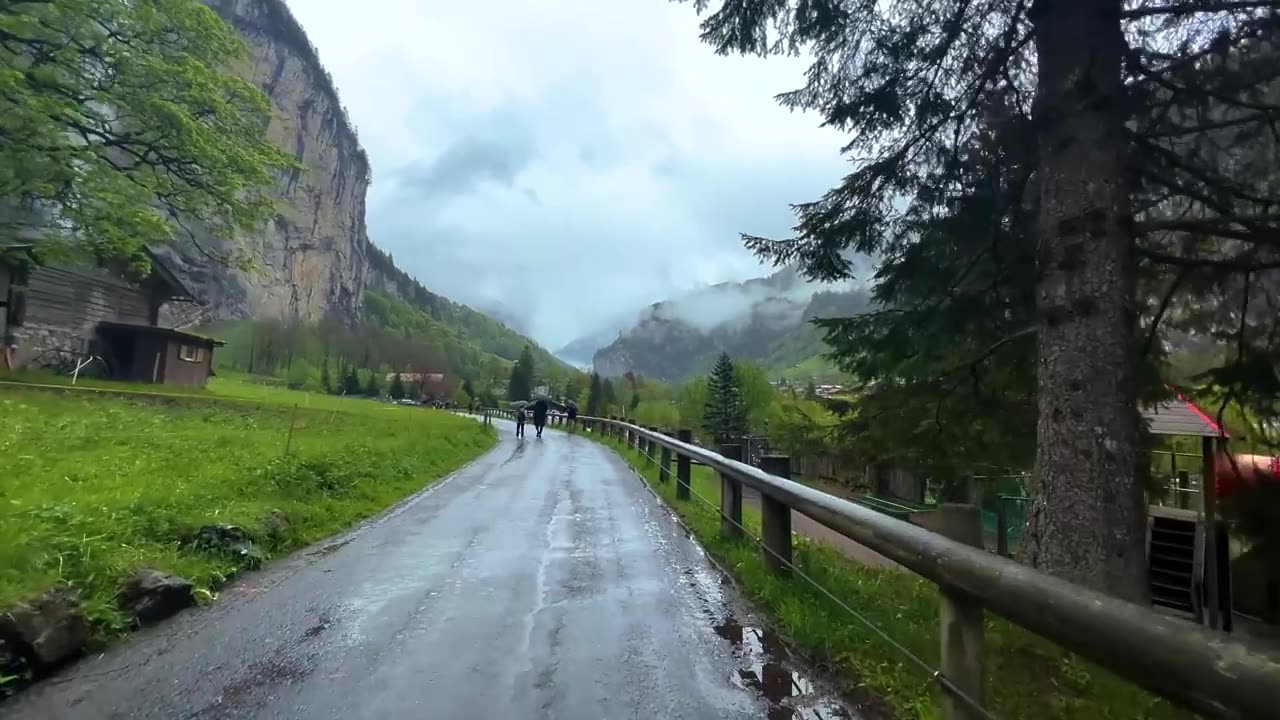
x=765, y=668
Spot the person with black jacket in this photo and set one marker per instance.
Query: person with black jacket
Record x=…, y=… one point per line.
x=540, y=409
x=573, y=416
x=520, y=416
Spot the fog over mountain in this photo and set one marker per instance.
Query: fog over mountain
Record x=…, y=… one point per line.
x=762, y=319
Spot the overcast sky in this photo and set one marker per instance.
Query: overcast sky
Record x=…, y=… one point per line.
x=569, y=160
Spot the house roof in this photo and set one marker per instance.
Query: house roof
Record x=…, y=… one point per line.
x=164, y=332
x=160, y=271
x=1180, y=417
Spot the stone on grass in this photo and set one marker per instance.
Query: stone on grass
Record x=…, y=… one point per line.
x=151, y=595
x=230, y=539
x=52, y=626
x=276, y=524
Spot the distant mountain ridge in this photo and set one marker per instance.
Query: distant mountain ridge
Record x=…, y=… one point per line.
x=766, y=320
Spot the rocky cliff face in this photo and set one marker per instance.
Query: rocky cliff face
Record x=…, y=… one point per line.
x=312, y=259
x=765, y=320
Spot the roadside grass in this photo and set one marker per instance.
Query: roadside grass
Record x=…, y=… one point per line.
x=227, y=385
x=1026, y=676
x=95, y=485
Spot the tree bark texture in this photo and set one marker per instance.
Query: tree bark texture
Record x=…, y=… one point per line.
x=1088, y=518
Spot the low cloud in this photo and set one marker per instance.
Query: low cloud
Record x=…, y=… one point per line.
x=573, y=161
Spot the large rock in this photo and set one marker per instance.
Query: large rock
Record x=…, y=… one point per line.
x=151, y=595
x=13, y=664
x=276, y=525
x=52, y=627
x=232, y=540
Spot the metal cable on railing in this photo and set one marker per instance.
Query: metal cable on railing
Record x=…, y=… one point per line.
x=1201, y=670
x=935, y=675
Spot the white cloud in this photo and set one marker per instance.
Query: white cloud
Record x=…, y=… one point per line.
x=569, y=159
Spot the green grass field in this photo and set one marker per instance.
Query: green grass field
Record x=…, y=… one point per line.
x=1026, y=676
x=96, y=484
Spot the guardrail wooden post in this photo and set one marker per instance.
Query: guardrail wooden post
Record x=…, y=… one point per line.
x=650, y=447
x=613, y=429
x=664, y=466
x=775, y=518
x=960, y=617
x=730, y=496
x=633, y=440
x=683, y=466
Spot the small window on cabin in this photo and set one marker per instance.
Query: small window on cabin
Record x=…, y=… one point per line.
x=190, y=353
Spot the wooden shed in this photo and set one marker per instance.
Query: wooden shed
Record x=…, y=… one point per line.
x=56, y=316
x=147, y=353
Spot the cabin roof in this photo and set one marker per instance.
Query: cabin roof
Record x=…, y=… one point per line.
x=1180, y=416
x=174, y=288
x=168, y=333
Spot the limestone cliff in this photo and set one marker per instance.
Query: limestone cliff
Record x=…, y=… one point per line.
x=312, y=259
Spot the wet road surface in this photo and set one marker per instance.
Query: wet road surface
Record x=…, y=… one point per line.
x=542, y=581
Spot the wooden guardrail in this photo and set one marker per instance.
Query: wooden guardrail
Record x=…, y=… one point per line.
x=1202, y=670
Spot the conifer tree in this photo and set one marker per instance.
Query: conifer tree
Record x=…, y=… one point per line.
x=726, y=416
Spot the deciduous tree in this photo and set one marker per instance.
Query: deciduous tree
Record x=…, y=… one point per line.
x=120, y=122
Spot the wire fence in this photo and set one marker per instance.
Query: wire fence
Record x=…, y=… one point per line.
x=933, y=674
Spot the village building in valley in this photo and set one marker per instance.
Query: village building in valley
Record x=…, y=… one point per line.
x=57, y=316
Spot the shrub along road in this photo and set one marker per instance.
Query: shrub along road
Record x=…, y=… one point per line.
x=542, y=581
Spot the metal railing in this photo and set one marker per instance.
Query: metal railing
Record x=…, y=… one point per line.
x=1202, y=670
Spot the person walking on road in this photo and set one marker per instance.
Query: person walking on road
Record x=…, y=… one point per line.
x=520, y=415
x=540, y=409
x=573, y=416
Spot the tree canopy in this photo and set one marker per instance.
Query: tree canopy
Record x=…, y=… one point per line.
x=1078, y=184
x=122, y=122
x=725, y=416
x=520, y=387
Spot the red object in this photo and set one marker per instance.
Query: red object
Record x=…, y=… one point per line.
x=1231, y=472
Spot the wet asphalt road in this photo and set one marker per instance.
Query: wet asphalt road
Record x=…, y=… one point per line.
x=542, y=581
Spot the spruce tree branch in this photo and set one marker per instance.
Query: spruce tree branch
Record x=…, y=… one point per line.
x=1183, y=273
x=1235, y=264
x=1198, y=8
x=1200, y=174
x=1257, y=228
x=1178, y=131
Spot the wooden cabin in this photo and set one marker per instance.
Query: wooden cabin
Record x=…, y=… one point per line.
x=58, y=316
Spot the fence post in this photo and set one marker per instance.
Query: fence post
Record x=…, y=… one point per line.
x=960, y=618
x=730, y=495
x=682, y=466
x=664, y=466
x=1002, y=526
x=650, y=447
x=293, y=418
x=775, y=519
x=633, y=440
x=612, y=431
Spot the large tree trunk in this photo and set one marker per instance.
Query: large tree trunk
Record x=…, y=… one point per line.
x=1087, y=521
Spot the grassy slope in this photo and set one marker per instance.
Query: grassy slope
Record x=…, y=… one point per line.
x=1027, y=677
x=97, y=484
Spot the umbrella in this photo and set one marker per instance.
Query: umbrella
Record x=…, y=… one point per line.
x=542, y=396
x=517, y=404
x=571, y=403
